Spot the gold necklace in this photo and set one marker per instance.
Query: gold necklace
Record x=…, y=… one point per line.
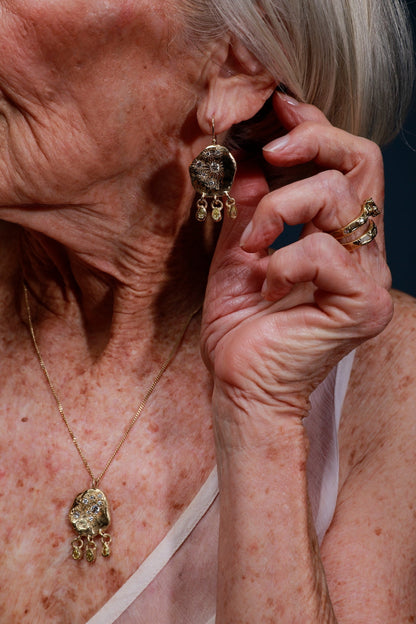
x=90, y=511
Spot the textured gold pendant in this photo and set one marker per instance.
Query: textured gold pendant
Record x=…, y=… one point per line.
x=90, y=516
x=212, y=174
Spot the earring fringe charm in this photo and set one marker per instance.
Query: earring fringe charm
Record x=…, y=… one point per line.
x=212, y=174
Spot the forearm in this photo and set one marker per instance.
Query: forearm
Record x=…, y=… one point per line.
x=269, y=564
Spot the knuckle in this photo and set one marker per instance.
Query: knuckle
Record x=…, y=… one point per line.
x=323, y=250
x=310, y=112
x=322, y=246
x=375, y=152
x=386, y=277
x=379, y=310
x=268, y=206
x=372, y=152
x=269, y=214
x=333, y=177
x=336, y=184
x=309, y=128
x=339, y=200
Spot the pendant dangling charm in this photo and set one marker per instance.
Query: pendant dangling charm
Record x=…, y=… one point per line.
x=105, y=541
x=90, y=516
x=212, y=175
x=77, y=548
x=91, y=550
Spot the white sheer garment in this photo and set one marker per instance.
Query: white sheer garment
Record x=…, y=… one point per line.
x=176, y=584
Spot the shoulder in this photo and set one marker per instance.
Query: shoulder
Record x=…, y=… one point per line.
x=370, y=548
x=400, y=332
x=379, y=406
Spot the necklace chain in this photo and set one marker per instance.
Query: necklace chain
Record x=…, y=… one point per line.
x=95, y=480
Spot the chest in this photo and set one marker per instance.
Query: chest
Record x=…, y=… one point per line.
x=155, y=475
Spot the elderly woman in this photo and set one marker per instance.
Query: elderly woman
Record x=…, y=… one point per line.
x=112, y=424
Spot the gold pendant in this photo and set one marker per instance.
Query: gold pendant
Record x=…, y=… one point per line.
x=90, y=516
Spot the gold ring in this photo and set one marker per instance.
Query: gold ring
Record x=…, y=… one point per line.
x=365, y=239
x=368, y=209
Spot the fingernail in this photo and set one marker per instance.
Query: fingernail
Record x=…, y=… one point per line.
x=246, y=234
x=287, y=98
x=277, y=145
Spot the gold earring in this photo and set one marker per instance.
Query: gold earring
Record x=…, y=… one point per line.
x=212, y=174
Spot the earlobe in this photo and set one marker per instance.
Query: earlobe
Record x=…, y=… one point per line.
x=236, y=89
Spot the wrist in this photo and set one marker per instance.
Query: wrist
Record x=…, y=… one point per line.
x=243, y=421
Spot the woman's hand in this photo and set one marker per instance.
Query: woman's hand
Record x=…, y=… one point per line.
x=274, y=325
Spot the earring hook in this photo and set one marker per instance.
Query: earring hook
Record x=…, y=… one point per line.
x=214, y=137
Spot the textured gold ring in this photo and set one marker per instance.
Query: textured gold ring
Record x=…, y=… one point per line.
x=365, y=239
x=368, y=209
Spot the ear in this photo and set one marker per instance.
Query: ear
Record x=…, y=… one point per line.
x=237, y=86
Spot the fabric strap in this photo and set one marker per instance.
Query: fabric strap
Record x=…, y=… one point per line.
x=157, y=560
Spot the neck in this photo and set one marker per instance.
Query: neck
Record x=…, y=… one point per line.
x=116, y=291
x=118, y=258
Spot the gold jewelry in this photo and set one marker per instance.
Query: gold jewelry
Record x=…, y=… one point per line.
x=90, y=514
x=212, y=174
x=365, y=239
x=368, y=209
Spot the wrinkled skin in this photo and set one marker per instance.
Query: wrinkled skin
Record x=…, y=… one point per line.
x=309, y=295
x=103, y=105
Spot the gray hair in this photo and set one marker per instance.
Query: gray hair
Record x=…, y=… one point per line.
x=351, y=58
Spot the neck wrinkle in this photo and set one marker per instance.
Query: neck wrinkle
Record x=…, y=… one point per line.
x=155, y=284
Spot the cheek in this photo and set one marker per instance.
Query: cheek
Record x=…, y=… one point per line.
x=99, y=57
x=104, y=84
x=75, y=14
x=43, y=43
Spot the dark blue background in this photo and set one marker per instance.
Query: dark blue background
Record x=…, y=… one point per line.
x=400, y=205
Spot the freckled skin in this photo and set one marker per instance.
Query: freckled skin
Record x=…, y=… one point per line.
x=67, y=63
x=47, y=474
x=377, y=463
x=83, y=116
x=98, y=124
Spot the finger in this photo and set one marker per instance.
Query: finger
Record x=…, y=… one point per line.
x=328, y=147
x=347, y=290
x=318, y=259
x=371, y=258
x=328, y=200
x=291, y=112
